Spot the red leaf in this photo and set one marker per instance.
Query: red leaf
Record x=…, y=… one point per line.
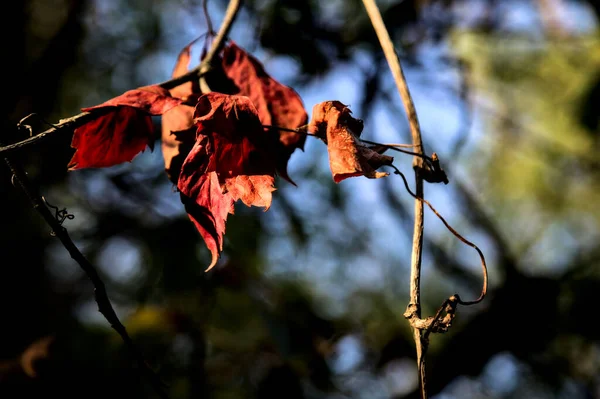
x=332, y=121
x=239, y=145
x=231, y=160
x=121, y=130
x=152, y=100
x=188, y=90
x=207, y=207
x=177, y=125
x=277, y=104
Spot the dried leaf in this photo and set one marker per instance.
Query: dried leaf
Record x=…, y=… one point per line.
x=333, y=122
x=177, y=125
x=188, y=91
x=277, y=104
x=207, y=207
x=231, y=160
x=178, y=136
x=240, y=146
x=252, y=190
x=122, y=129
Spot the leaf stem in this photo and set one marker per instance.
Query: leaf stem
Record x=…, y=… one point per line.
x=395, y=147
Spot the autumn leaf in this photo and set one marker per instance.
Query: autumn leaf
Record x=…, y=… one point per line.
x=205, y=202
x=242, y=152
x=277, y=104
x=178, y=132
x=231, y=160
x=122, y=129
x=332, y=121
x=251, y=189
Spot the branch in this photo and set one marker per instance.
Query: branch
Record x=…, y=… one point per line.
x=218, y=43
x=104, y=306
x=426, y=169
x=67, y=124
x=417, y=248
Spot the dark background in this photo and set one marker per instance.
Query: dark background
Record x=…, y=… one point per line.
x=308, y=298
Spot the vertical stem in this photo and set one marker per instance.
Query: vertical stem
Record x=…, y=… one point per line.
x=415, y=282
x=394, y=62
x=417, y=248
x=232, y=10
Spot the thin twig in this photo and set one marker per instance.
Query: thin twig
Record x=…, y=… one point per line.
x=417, y=247
x=104, y=305
x=300, y=130
x=67, y=124
x=209, y=25
x=394, y=147
x=460, y=237
x=391, y=145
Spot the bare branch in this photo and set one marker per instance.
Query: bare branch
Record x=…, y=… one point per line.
x=65, y=125
x=415, y=129
x=104, y=306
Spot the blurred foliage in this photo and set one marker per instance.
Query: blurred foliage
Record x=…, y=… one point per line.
x=548, y=156
x=307, y=301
